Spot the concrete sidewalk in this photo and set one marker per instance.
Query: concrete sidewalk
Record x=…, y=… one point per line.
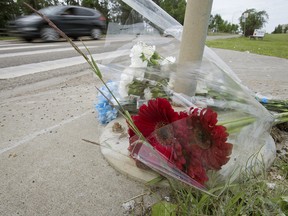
x=47, y=169
x=264, y=74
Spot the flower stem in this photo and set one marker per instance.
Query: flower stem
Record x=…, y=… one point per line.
x=281, y=118
x=236, y=125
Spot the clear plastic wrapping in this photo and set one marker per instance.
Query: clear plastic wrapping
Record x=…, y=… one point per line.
x=207, y=134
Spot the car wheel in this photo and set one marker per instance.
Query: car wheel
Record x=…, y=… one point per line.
x=49, y=34
x=96, y=33
x=27, y=39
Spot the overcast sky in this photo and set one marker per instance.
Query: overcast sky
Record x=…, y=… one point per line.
x=231, y=10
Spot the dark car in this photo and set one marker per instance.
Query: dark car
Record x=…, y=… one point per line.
x=75, y=21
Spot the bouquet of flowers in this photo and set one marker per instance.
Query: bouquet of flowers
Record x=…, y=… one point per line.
x=143, y=79
x=203, y=138
x=190, y=140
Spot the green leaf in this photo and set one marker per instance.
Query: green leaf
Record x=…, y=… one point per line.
x=164, y=208
x=93, y=64
x=284, y=199
x=96, y=69
x=143, y=57
x=237, y=198
x=155, y=180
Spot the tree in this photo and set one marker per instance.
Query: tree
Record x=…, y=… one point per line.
x=36, y=4
x=255, y=20
x=99, y=5
x=280, y=29
x=216, y=23
x=277, y=30
x=176, y=8
x=9, y=10
x=72, y=2
x=121, y=13
x=285, y=30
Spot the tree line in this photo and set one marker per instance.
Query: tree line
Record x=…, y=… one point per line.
x=118, y=11
x=113, y=10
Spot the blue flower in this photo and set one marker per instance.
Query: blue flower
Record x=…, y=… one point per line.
x=106, y=112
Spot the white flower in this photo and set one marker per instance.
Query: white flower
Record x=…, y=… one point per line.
x=139, y=51
x=139, y=74
x=138, y=62
x=147, y=94
x=135, y=55
x=148, y=51
x=140, y=55
x=126, y=77
x=171, y=82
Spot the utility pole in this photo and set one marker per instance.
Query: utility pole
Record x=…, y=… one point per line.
x=244, y=18
x=194, y=35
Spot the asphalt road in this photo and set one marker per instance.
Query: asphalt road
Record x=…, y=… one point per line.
x=46, y=109
x=19, y=59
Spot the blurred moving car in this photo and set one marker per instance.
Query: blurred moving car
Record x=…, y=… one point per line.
x=75, y=21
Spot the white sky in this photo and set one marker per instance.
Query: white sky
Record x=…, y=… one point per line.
x=231, y=10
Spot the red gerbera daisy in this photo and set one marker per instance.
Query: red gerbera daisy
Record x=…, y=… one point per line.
x=193, y=142
x=151, y=120
x=209, y=138
x=196, y=171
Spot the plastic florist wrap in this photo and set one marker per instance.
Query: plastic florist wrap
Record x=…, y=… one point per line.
x=190, y=140
x=211, y=137
x=208, y=134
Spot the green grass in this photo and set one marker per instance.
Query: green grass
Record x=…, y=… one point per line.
x=250, y=196
x=272, y=45
x=218, y=34
x=7, y=38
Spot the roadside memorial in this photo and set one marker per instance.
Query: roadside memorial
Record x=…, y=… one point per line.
x=205, y=138
x=201, y=126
